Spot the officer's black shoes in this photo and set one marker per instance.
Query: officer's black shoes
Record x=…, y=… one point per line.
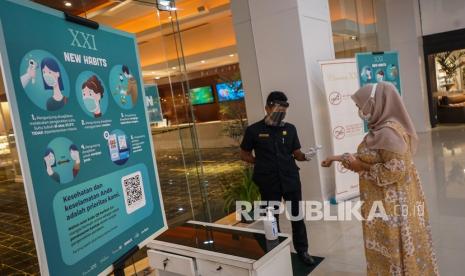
x=306, y=258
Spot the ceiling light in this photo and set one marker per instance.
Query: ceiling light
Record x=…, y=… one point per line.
x=202, y=61
x=68, y=4
x=169, y=17
x=231, y=55
x=157, y=78
x=353, y=37
x=166, y=5
x=153, y=72
x=174, y=68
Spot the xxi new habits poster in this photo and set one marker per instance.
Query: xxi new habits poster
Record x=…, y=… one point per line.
x=77, y=102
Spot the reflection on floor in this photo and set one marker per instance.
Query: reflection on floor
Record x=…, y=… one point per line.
x=440, y=161
x=221, y=167
x=17, y=250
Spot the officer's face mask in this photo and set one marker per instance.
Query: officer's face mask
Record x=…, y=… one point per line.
x=276, y=116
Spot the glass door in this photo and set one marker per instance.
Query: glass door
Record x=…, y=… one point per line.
x=186, y=191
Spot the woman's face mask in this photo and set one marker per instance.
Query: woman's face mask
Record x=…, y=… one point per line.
x=90, y=104
x=89, y=98
x=363, y=116
x=50, y=77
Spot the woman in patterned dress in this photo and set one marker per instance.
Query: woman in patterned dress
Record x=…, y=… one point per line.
x=398, y=242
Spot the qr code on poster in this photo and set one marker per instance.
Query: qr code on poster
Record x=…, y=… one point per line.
x=133, y=189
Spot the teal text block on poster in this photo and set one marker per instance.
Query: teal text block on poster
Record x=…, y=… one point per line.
x=92, y=213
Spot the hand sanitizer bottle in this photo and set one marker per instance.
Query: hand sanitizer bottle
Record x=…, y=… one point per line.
x=270, y=224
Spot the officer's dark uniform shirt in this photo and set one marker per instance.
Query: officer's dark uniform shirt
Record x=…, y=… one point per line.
x=275, y=167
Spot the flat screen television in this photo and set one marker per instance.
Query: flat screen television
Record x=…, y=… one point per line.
x=201, y=95
x=231, y=91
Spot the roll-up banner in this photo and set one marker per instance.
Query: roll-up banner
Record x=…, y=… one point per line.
x=340, y=80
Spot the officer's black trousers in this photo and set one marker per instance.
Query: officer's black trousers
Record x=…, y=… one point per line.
x=299, y=231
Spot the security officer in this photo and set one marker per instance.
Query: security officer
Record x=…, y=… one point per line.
x=276, y=146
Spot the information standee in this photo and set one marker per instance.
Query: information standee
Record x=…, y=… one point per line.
x=340, y=80
x=78, y=108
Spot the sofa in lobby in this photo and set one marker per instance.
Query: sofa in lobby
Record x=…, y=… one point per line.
x=451, y=108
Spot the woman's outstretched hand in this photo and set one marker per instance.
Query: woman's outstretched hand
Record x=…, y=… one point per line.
x=327, y=163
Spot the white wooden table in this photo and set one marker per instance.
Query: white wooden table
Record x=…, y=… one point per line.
x=205, y=249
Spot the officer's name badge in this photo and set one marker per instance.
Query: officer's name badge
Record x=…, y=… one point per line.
x=263, y=135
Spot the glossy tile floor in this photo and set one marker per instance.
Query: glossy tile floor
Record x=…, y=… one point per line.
x=441, y=163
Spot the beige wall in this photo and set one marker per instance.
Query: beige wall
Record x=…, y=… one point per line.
x=439, y=16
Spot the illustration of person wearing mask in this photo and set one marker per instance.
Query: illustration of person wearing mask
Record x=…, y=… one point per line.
x=74, y=153
x=50, y=163
x=366, y=74
x=380, y=76
x=92, y=94
x=52, y=81
x=131, y=88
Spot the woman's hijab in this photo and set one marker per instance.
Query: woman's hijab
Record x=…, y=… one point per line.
x=386, y=106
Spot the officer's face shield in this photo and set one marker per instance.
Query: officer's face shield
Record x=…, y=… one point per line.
x=276, y=111
x=276, y=106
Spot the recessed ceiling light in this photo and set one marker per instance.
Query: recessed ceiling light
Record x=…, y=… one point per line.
x=166, y=5
x=231, y=55
x=202, y=61
x=68, y=4
x=353, y=37
x=169, y=17
x=174, y=68
x=157, y=78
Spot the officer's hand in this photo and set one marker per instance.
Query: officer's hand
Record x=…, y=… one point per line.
x=327, y=163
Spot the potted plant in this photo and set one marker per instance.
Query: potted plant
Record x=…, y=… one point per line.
x=450, y=62
x=246, y=190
